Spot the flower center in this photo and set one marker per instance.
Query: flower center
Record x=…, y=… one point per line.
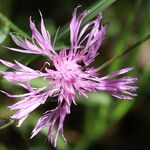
x=70, y=71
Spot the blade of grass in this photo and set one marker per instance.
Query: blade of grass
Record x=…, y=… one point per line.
x=99, y=125
x=122, y=107
x=120, y=110
x=125, y=52
x=3, y=33
x=125, y=34
x=94, y=10
x=6, y=125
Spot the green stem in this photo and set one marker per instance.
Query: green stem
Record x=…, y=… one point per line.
x=95, y=127
x=125, y=52
x=125, y=35
x=6, y=125
x=12, y=26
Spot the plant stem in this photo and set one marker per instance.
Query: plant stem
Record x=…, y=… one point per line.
x=7, y=125
x=125, y=52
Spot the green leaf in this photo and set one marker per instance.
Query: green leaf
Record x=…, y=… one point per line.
x=125, y=52
x=3, y=33
x=38, y=82
x=2, y=147
x=125, y=36
x=27, y=59
x=96, y=119
x=95, y=99
x=120, y=110
x=94, y=10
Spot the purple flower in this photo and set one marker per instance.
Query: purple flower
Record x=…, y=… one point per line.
x=70, y=77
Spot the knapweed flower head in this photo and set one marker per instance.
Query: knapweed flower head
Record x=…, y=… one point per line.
x=70, y=76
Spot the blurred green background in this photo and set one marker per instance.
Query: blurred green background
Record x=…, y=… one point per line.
x=99, y=122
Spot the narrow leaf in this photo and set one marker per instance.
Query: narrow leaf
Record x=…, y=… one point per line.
x=94, y=10
x=3, y=33
x=4, y=123
x=125, y=52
